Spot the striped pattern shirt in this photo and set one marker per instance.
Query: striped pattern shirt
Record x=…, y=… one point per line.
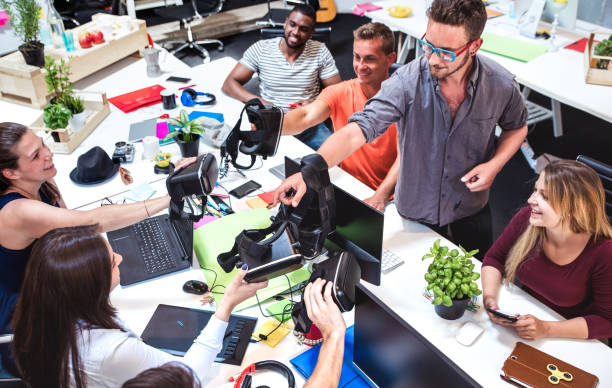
x=283, y=83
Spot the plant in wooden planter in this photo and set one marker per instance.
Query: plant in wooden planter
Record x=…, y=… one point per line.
x=76, y=106
x=604, y=49
x=186, y=134
x=57, y=116
x=57, y=79
x=23, y=15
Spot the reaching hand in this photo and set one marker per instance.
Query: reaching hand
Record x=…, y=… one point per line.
x=530, y=328
x=322, y=310
x=237, y=291
x=184, y=162
x=480, y=177
x=290, y=191
x=377, y=202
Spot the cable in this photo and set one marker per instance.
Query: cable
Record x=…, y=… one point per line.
x=286, y=309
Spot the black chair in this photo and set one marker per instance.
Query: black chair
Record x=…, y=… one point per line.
x=605, y=174
x=276, y=16
x=186, y=14
x=322, y=34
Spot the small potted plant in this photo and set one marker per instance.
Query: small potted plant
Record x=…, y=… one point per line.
x=57, y=116
x=604, y=49
x=58, y=79
x=186, y=134
x=76, y=106
x=452, y=280
x=23, y=15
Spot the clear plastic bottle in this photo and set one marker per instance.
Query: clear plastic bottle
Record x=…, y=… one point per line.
x=56, y=25
x=43, y=28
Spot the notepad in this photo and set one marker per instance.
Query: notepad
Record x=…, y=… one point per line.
x=512, y=48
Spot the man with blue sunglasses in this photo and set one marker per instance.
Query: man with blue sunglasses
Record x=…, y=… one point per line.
x=446, y=105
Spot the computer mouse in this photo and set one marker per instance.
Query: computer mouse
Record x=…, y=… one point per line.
x=195, y=287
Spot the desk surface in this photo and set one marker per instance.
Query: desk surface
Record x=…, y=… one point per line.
x=401, y=289
x=559, y=75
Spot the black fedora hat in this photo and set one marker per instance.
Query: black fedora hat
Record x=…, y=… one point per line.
x=94, y=166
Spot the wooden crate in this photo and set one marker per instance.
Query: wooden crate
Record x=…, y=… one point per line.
x=96, y=107
x=593, y=75
x=25, y=84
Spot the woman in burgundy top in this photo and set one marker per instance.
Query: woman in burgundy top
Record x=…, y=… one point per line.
x=560, y=249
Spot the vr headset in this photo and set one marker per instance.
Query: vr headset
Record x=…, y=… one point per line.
x=344, y=271
x=189, y=187
x=298, y=234
x=268, y=121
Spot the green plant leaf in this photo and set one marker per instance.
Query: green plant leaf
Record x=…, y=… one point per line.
x=426, y=256
x=171, y=135
x=176, y=123
x=184, y=117
x=446, y=300
x=475, y=276
x=437, y=301
x=436, y=244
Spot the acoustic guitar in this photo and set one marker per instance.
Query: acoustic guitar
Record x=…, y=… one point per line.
x=327, y=11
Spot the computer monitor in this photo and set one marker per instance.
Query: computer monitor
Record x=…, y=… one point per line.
x=359, y=229
x=388, y=352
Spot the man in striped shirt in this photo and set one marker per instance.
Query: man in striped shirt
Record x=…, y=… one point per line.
x=290, y=70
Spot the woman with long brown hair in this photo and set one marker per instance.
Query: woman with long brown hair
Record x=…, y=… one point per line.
x=560, y=249
x=67, y=334
x=31, y=205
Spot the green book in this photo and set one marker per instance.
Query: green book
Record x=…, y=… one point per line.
x=512, y=48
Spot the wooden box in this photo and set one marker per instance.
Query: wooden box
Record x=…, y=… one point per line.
x=65, y=141
x=593, y=75
x=25, y=84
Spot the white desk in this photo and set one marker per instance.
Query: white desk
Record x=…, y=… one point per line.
x=401, y=289
x=558, y=75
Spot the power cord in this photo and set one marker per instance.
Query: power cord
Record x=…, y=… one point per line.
x=287, y=309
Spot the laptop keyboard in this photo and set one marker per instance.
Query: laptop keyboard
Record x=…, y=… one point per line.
x=390, y=261
x=154, y=248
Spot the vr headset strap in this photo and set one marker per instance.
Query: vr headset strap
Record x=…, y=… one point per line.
x=230, y=146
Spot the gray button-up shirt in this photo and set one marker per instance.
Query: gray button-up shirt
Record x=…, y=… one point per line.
x=435, y=150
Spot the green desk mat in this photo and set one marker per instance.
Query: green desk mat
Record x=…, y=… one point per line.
x=512, y=48
x=217, y=237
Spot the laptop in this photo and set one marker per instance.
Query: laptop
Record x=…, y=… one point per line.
x=173, y=329
x=152, y=247
x=388, y=352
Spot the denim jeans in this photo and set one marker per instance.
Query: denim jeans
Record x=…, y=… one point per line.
x=315, y=136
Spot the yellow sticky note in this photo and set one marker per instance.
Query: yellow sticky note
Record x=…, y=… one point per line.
x=256, y=203
x=276, y=336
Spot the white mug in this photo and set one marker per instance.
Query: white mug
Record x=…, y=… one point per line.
x=151, y=148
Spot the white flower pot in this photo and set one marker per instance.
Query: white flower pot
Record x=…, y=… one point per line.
x=77, y=121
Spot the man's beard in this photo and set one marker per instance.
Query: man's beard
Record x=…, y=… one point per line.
x=296, y=46
x=451, y=72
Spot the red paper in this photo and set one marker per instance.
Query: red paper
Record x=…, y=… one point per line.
x=137, y=99
x=579, y=45
x=267, y=197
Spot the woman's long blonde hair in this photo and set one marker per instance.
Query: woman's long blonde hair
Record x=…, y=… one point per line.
x=575, y=192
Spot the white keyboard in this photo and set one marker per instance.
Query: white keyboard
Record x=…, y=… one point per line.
x=390, y=261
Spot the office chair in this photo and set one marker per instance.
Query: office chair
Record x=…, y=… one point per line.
x=322, y=34
x=186, y=14
x=276, y=16
x=10, y=382
x=605, y=174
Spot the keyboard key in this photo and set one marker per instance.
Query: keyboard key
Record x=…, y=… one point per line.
x=390, y=261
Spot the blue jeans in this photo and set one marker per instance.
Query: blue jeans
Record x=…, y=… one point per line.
x=315, y=136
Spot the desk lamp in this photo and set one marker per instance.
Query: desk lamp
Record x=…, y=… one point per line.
x=557, y=7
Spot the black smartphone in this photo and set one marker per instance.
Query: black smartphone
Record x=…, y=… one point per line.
x=505, y=316
x=245, y=189
x=178, y=79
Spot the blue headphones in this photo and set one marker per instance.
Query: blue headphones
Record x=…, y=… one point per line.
x=189, y=97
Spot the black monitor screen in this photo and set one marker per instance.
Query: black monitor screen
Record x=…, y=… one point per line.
x=359, y=229
x=391, y=353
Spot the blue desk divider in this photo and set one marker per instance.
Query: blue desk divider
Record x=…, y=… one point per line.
x=349, y=378
x=197, y=114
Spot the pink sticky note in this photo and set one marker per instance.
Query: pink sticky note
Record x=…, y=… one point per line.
x=162, y=129
x=203, y=221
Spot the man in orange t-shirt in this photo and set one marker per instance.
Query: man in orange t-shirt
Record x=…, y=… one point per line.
x=376, y=164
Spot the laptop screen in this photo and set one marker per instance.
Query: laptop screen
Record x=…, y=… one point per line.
x=359, y=229
x=390, y=353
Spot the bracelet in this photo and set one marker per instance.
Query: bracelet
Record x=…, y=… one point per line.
x=145, y=206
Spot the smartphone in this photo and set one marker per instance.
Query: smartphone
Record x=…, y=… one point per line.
x=178, y=79
x=245, y=189
x=505, y=316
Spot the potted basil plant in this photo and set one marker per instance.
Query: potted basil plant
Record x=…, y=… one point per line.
x=57, y=116
x=23, y=16
x=452, y=279
x=186, y=133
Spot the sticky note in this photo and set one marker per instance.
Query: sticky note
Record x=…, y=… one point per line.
x=273, y=337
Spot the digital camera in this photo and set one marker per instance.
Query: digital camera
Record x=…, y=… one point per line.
x=124, y=152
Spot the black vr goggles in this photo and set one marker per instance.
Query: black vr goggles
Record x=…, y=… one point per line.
x=342, y=269
x=268, y=121
x=297, y=233
x=191, y=185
